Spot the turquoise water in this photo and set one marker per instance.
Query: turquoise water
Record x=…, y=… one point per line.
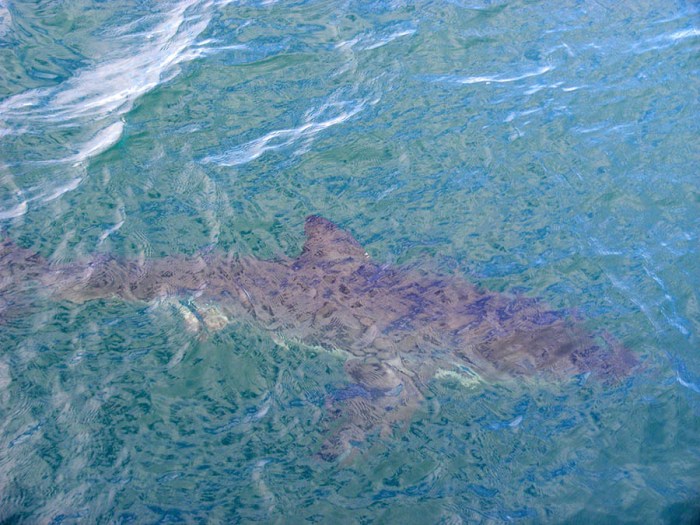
x=550, y=148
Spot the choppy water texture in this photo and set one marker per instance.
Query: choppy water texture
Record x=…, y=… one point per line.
x=548, y=149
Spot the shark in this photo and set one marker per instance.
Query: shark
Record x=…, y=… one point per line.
x=396, y=328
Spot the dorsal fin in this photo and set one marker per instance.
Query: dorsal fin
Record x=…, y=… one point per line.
x=326, y=241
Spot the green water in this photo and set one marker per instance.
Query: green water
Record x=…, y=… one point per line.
x=549, y=148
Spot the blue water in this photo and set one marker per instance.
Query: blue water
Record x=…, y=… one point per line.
x=546, y=148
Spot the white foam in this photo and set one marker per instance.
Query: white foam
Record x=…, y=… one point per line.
x=347, y=44
x=101, y=142
x=91, y=106
x=516, y=422
x=539, y=87
x=262, y=411
x=105, y=139
x=286, y=137
x=389, y=38
x=113, y=84
x=60, y=190
x=687, y=384
x=664, y=41
x=369, y=41
x=535, y=88
x=110, y=231
x=503, y=79
x=17, y=211
x=686, y=33
x=518, y=114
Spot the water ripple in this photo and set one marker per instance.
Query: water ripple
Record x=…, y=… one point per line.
x=369, y=41
x=87, y=111
x=499, y=79
x=327, y=115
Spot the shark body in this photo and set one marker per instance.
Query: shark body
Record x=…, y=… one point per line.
x=397, y=328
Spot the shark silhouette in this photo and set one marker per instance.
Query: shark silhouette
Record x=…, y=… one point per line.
x=398, y=328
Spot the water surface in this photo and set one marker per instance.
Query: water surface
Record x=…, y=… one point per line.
x=532, y=147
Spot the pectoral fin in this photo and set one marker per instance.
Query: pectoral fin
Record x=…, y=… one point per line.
x=379, y=397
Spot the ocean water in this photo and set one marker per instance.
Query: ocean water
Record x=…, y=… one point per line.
x=546, y=147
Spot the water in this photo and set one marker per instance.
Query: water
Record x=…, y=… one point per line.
x=551, y=149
